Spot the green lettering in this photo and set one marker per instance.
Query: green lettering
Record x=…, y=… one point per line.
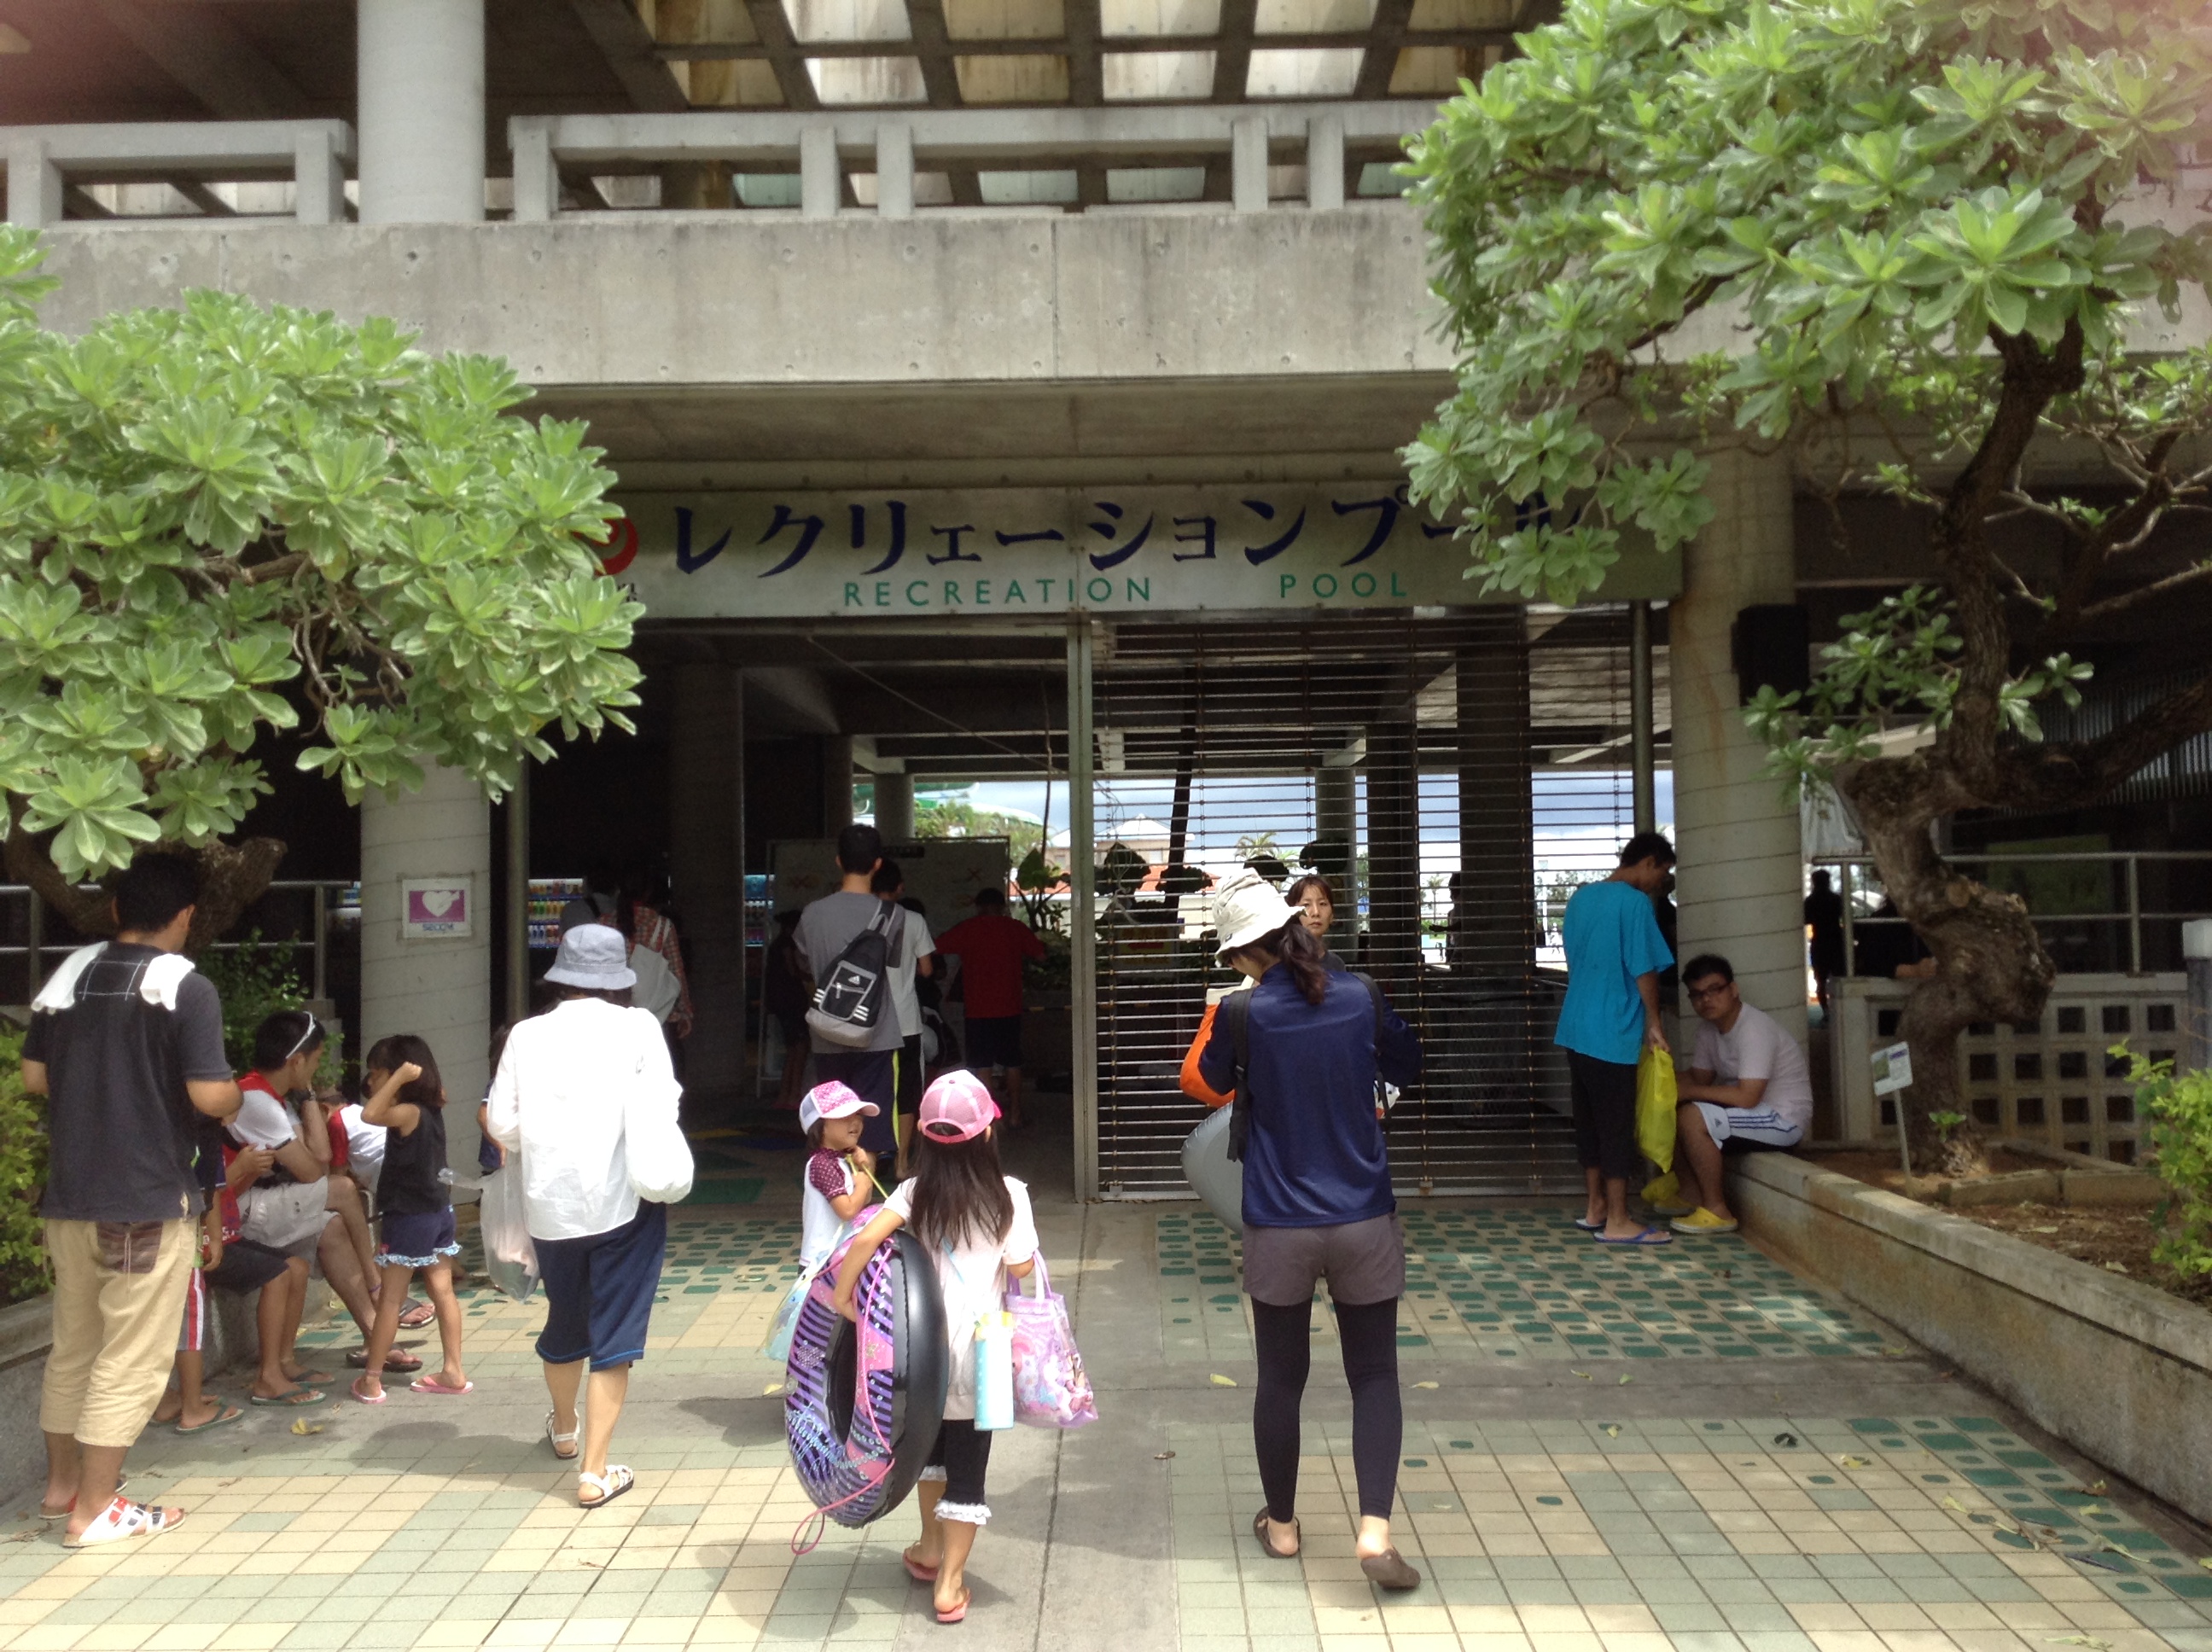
x=922, y=601
x=1358, y=590
x=1288, y=584
x=882, y=593
x=1014, y=592
x=1318, y=592
x=1095, y=594
x=1140, y=591
x=952, y=593
x=1397, y=590
x=852, y=596
x=982, y=593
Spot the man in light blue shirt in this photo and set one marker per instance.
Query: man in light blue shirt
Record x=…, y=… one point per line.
x=1614, y=955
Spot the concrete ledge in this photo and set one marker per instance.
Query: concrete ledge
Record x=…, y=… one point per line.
x=2120, y=1369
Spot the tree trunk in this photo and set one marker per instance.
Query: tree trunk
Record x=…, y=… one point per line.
x=1990, y=962
x=233, y=876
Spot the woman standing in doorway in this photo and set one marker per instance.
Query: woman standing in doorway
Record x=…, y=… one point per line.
x=1317, y=1202
x=1315, y=897
x=586, y=1093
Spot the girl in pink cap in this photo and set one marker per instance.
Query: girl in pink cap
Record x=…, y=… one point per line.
x=975, y=1223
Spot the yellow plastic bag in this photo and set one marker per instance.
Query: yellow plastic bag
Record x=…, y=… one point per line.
x=1654, y=1107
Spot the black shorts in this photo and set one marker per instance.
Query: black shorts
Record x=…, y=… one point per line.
x=910, y=1074
x=247, y=1265
x=994, y=1041
x=1604, y=1094
x=598, y=1291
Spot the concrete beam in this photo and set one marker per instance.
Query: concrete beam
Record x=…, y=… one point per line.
x=628, y=47
x=615, y=302
x=208, y=58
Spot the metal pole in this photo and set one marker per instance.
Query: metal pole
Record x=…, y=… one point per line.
x=2135, y=917
x=1643, y=759
x=1083, y=927
x=322, y=931
x=745, y=911
x=518, y=896
x=1843, y=881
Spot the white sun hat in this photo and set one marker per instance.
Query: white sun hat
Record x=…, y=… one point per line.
x=595, y=957
x=1249, y=908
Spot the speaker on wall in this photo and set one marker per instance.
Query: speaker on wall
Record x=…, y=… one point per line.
x=1771, y=644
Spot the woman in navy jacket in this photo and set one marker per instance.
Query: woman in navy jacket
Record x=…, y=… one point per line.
x=1317, y=1203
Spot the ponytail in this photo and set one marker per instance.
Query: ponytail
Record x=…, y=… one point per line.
x=1300, y=951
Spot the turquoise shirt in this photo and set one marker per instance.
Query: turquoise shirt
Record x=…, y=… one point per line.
x=1612, y=936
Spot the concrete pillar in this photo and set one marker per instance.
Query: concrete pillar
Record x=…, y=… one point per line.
x=706, y=806
x=1325, y=163
x=421, y=69
x=837, y=783
x=1741, y=879
x=2196, y=959
x=438, y=988
x=1248, y=163
x=895, y=807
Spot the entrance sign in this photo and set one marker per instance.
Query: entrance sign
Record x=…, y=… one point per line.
x=958, y=553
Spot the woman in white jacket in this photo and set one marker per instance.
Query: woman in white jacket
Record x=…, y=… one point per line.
x=586, y=1097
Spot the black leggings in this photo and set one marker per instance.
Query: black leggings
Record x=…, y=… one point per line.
x=1282, y=1337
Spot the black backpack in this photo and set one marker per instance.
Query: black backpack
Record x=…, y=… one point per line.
x=855, y=994
x=1234, y=1016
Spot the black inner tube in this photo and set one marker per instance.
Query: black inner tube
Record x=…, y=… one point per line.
x=843, y=1371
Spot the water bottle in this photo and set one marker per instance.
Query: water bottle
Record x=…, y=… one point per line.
x=994, y=1371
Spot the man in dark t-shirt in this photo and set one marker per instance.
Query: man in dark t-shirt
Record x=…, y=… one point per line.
x=126, y=1045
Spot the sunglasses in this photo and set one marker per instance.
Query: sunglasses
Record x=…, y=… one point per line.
x=314, y=1028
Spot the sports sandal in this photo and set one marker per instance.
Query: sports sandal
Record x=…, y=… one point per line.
x=121, y=1480
x=1260, y=1531
x=557, y=1440
x=610, y=1486
x=416, y=1315
x=122, y=1519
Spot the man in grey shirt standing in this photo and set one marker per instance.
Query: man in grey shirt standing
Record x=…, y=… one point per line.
x=825, y=929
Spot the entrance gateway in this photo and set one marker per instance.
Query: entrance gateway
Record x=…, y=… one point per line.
x=1216, y=674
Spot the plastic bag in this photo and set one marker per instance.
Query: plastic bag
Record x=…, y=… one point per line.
x=510, y=1258
x=777, y=1344
x=1654, y=1107
x=1051, y=1388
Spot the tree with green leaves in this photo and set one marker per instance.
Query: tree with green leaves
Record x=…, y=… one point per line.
x=222, y=522
x=1923, y=251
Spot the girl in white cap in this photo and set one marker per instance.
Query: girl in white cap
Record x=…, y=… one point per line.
x=975, y=1221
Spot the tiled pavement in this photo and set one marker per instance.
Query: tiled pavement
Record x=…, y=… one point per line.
x=1648, y=1453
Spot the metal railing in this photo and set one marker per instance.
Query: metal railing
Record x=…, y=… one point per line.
x=895, y=143
x=45, y=162
x=325, y=902
x=2128, y=862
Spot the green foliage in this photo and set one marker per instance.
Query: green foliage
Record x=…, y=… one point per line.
x=255, y=980
x=1035, y=880
x=1673, y=224
x=1055, y=971
x=217, y=519
x=1945, y=1123
x=2176, y=1109
x=23, y=1271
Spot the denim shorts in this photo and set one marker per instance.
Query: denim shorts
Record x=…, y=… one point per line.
x=598, y=1291
x=417, y=1239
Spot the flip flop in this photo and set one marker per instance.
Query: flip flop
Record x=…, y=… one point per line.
x=376, y=1399
x=296, y=1397
x=312, y=1379
x=958, y=1613
x=916, y=1570
x=431, y=1385
x=400, y=1362
x=1647, y=1238
x=416, y=1315
x=1587, y=1225
x=223, y=1417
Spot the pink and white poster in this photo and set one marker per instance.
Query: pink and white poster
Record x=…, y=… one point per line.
x=436, y=909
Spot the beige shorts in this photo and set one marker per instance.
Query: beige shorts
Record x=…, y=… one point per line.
x=1362, y=1261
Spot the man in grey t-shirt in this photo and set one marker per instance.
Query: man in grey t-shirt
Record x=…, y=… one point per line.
x=825, y=929
x=1748, y=1089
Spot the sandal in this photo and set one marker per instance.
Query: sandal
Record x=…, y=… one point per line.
x=610, y=1486
x=431, y=1385
x=416, y=1315
x=224, y=1415
x=1389, y=1570
x=293, y=1397
x=398, y=1362
x=916, y=1570
x=121, y=1480
x=376, y=1399
x=557, y=1441
x=312, y=1379
x=124, y=1519
x=953, y=1615
x=1260, y=1531
x=1646, y=1238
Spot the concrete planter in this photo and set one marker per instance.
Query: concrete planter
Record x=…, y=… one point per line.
x=27, y=1330
x=2120, y=1369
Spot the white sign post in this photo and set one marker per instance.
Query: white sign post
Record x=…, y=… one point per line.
x=1893, y=1076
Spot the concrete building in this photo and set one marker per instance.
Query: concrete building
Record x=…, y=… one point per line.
x=1000, y=389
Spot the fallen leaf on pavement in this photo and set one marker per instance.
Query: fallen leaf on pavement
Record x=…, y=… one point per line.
x=1162, y=1456
x=1586, y=1375
x=1613, y=1430
x=303, y=1426
x=1954, y=1504
x=2097, y=1489
x=1625, y=1380
x=1855, y=1462
x=2090, y=1641
x=1424, y=1385
x=1221, y=1382
x=773, y=1388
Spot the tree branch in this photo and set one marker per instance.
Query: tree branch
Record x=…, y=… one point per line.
x=2128, y=599
x=2065, y=774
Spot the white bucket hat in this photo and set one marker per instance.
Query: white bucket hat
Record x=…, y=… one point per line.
x=595, y=957
x=1249, y=908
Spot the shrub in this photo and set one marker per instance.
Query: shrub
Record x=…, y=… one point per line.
x=23, y=1175
x=256, y=980
x=2177, y=1111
